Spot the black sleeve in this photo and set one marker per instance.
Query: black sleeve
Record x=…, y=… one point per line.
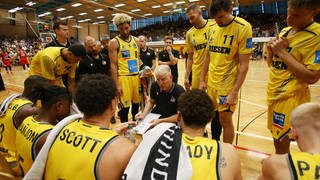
x=153, y=91
x=160, y=55
x=82, y=68
x=176, y=54
x=153, y=55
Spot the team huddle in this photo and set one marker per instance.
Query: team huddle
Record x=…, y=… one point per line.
x=59, y=127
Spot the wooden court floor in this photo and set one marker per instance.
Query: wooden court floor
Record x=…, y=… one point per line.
x=253, y=140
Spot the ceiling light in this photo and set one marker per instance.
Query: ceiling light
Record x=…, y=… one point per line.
x=98, y=10
x=100, y=17
x=202, y=6
x=64, y=18
x=193, y=0
x=76, y=4
x=68, y=17
x=114, y=14
x=15, y=9
x=61, y=9
x=47, y=13
x=148, y=14
x=119, y=5
x=101, y=21
x=166, y=11
x=135, y=10
x=141, y=0
x=84, y=13
x=168, y=4
x=31, y=3
x=177, y=10
x=157, y=6
x=180, y=2
x=95, y=23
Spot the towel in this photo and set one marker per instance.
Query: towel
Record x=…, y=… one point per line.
x=5, y=104
x=37, y=170
x=160, y=155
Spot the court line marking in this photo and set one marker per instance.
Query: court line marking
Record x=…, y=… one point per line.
x=262, y=81
x=13, y=85
x=252, y=103
x=260, y=137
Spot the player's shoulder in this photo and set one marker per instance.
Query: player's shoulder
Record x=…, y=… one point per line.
x=241, y=21
x=313, y=28
x=211, y=22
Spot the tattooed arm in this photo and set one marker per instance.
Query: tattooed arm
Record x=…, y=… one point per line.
x=229, y=163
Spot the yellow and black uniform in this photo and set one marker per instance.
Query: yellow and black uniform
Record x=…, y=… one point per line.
x=48, y=63
x=77, y=150
x=28, y=134
x=8, y=129
x=128, y=71
x=204, y=154
x=285, y=91
x=304, y=166
x=225, y=45
x=196, y=41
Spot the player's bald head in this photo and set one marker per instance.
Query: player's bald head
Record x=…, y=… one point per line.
x=306, y=118
x=89, y=39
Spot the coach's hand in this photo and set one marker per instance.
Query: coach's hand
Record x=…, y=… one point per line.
x=139, y=116
x=187, y=84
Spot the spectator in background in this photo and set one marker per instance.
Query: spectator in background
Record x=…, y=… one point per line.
x=170, y=56
x=147, y=55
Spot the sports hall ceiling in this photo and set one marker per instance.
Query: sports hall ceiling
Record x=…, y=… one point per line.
x=103, y=10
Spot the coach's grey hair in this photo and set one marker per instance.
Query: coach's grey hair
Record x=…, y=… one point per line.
x=162, y=70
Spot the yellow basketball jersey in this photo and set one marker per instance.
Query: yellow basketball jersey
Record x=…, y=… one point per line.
x=128, y=61
x=204, y=154
x=49, y=64
x=304, y=46
x=304, y=166
x=196, y=41
x=8, y=129
x=224, y=45
x=76, y=152
x=28, y=134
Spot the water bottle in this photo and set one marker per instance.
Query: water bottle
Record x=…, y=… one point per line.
x=131, y=133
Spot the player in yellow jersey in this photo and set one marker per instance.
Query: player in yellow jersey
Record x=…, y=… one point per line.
x=54, y=62
x=305, y=125
x=227, y=62
x=32, y=133
x=14, y=113
x=87, y=148
x=210, y=159
x=196, y=41
x=125, y=63
x=294, y=59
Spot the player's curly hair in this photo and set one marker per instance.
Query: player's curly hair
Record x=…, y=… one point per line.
x=196, y=108
x=121, y=18
x=94, y=94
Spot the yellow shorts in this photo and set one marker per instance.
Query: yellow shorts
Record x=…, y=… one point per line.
x=195, y=84
x=218, y=97
x=279, y=112
x=130, y=87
